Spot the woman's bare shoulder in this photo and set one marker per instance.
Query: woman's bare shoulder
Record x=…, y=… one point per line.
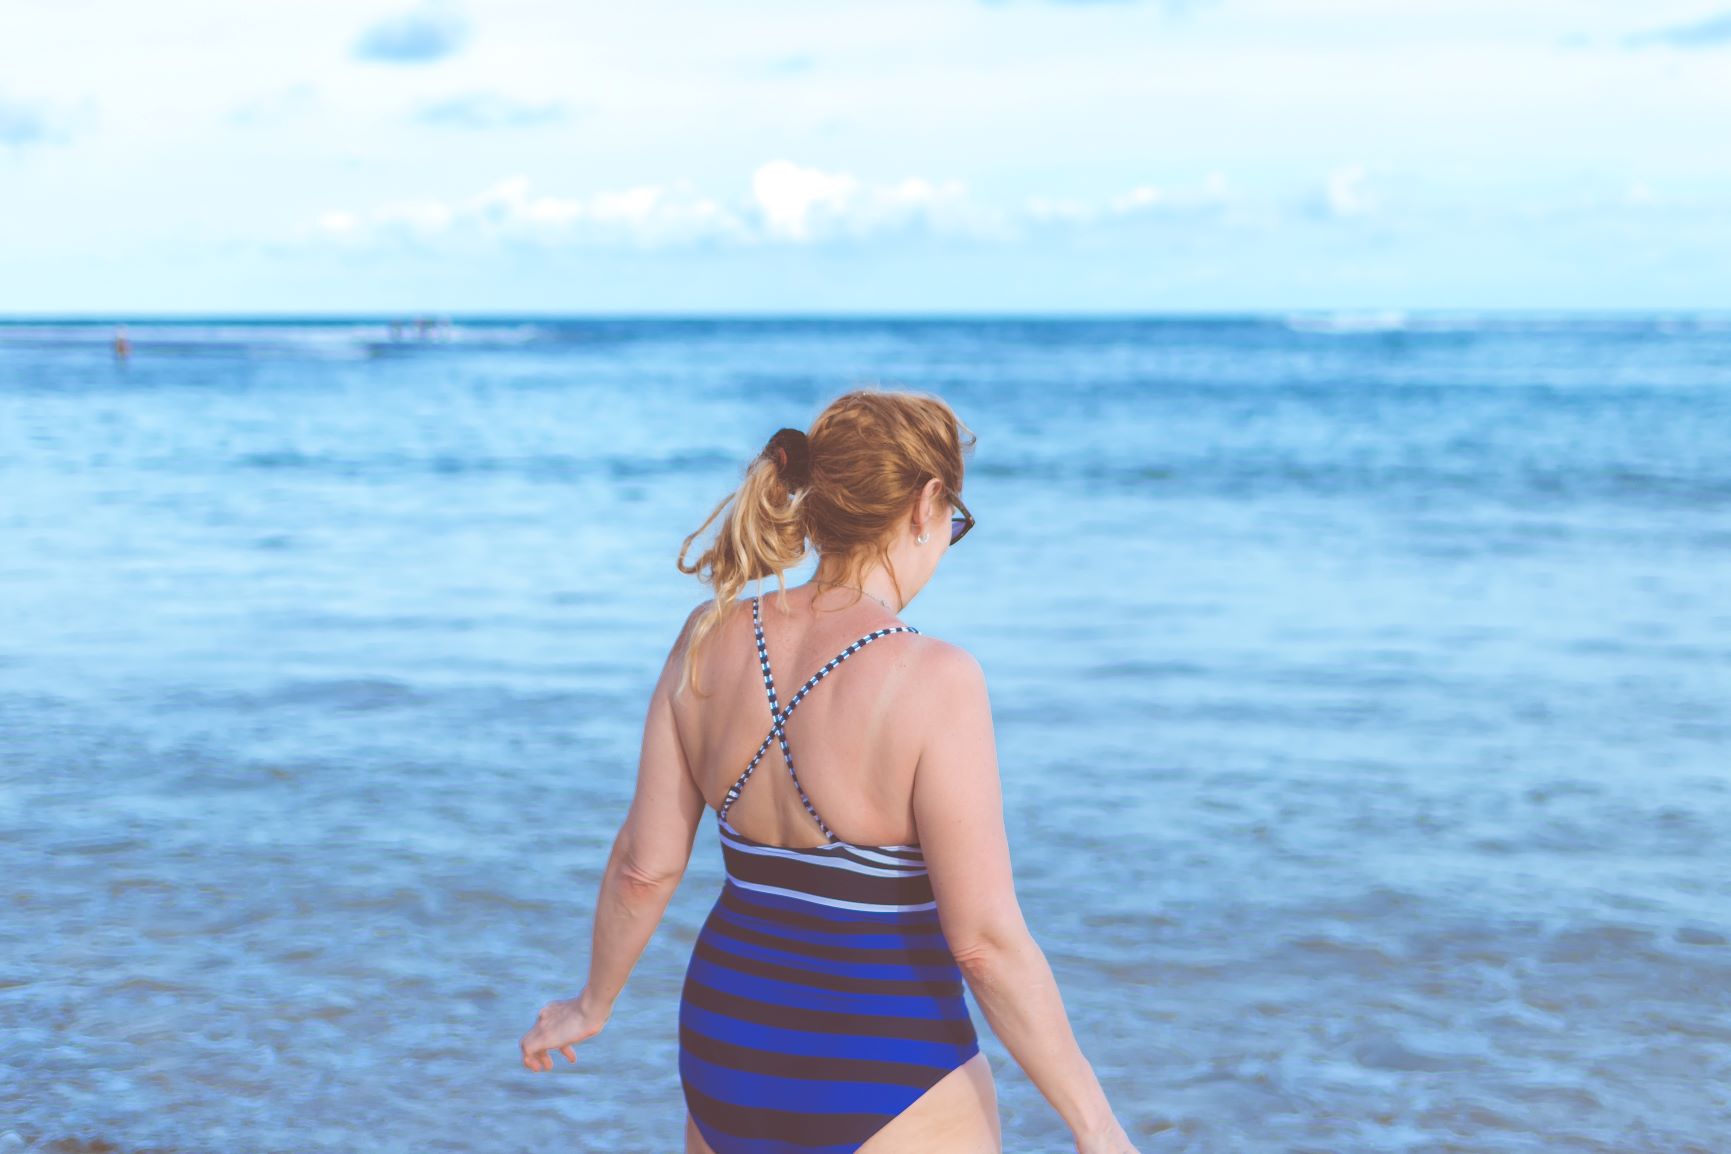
x=943, y=672
x=718, y=636
x=730, y=612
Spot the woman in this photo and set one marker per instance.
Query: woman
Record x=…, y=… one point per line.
x=822, y=1008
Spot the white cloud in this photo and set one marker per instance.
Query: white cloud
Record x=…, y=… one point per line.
x=789, y=196
x=1212, y=194
x=1141, y=197
x=1643, y=196
x=338, y=223
x=422, y=216
x=648, y=215
x=1045, y=210
x=275, y=107
x=788, y=204
x=491, y=110
x=1344, y=194
x=806, y=204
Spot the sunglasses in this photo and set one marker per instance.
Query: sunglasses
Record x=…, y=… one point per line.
x=960, y=521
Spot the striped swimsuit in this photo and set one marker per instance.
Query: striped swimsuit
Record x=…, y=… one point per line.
x=821, y=998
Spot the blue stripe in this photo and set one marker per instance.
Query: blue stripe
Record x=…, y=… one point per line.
x=902, y=971
x=800, y=1095
x=767, y=990
x=916, y=941
x=810, y=1044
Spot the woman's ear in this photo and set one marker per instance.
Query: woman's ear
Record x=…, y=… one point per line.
x=931, y=503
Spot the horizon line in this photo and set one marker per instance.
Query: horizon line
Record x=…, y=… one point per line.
x=310, y=316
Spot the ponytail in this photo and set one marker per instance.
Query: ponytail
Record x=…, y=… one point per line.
x=762, y=533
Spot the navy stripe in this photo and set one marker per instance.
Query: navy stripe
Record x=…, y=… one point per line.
x=825, y=979
x=897, y=964
x=855, y=938
x=800, y=997
x=902, y=955
x=957, y=1030
x=844, y=1131
x=755, y=1061
x=816, y=1044
x=734, y=1144
x=824, y=882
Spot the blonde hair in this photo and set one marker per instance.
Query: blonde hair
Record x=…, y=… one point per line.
x=872, y=451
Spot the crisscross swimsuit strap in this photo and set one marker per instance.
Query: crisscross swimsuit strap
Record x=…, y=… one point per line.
x=778, y=716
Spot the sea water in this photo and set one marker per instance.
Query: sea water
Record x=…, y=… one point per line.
x=1362, y=688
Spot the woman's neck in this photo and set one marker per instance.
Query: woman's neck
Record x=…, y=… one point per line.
x=874, y=583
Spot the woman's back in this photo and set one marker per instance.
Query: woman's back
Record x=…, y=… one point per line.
x=822, y=1002
x=854, y=736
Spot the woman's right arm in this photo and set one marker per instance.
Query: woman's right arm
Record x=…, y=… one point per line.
x=958, y=808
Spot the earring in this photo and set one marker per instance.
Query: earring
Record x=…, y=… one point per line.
x=922, y=538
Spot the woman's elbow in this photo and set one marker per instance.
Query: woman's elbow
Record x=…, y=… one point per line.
x=985, y=948
x=646, y=872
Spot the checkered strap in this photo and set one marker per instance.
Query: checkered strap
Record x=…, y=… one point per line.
x=779, y=716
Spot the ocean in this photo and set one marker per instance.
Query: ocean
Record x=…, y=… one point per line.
x=1362, y=686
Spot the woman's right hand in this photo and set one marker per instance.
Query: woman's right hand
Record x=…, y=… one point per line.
x=560, y=1026
x=1113, y=1141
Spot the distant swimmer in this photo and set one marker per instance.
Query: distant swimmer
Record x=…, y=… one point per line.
x=122, y=346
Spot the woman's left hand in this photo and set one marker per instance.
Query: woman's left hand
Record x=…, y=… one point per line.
x=560, y=1026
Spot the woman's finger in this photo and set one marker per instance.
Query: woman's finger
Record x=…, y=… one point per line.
x=537, y=1053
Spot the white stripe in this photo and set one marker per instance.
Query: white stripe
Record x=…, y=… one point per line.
x=831, y=862
x=836, y=902
x=883, y=857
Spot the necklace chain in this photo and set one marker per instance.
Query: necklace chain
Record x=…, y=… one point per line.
x=867, y=592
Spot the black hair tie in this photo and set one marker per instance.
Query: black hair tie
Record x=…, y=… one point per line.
x=791, y=452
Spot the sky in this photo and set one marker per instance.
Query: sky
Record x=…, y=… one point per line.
x=896, y=156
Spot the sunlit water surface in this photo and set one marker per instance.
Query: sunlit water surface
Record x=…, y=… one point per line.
x=1361, y=690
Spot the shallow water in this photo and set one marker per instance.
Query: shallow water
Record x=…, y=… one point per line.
x=1361, y=688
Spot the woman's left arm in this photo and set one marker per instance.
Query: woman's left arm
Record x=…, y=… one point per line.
x=648, y=860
